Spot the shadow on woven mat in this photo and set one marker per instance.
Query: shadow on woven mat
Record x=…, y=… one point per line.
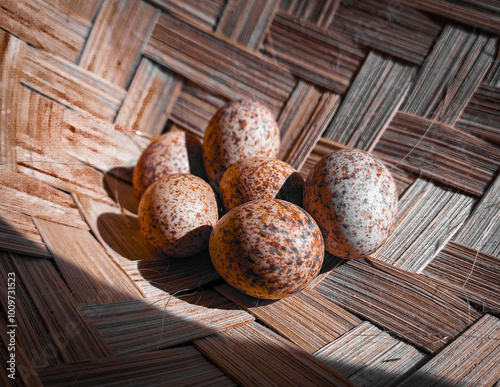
x=75, y=330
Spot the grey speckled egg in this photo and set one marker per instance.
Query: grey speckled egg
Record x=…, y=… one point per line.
x=177, y=214
x=267, y=248
x=353, y=198
x=173, y=152
x=239, y=129
x=260, y=178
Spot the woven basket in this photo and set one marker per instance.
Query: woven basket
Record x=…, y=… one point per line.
x=87, y=85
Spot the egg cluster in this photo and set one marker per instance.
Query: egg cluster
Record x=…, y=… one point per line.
x=265, y=227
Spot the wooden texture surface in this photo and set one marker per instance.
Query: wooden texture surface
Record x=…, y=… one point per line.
x=86, y=85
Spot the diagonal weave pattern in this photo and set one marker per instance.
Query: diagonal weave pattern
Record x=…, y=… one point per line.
x=86, y=85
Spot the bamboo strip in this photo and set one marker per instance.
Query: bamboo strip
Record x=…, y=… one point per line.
x=149, y=101
x=18, y=234
x=45, y=26
x=306, y=319
x=184, y=366
x=97, y=143
x=428, y=217
x=33, y=335
x=325, y=58
x=85, y=9
x=469, y=273
x=207, y=59
x=407, y=305
x=25, y=374
x=30, y=196
x=59, y=170
x=194, y=108
x=12, y=51
x=481, y=117
x=471, y=360
x=481, y=14
x=202, y=13
x=371, y=357
x=152, y=272
x=89, y=272
x=36, y=119
x=72, y=336
x=71, y=85
x=441, y=152
x=482, y=228
x=255, y=356
x=247, y=22
x=295, y=114
x=320, y=12
x=160, y=322
x=388, y=27
x=371, y=102
x=317, y=122
x=450, y=74
x=118, y=36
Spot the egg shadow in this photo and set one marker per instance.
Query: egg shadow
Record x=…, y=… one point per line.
x=292, y=189
x=118, y=183
x=120, y=233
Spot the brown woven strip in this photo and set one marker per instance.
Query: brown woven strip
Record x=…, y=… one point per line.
x=119, y=33
x=18, y=234
x=45, y=26
x=70, y=85
x=309, y=51
x=35, y=336
x=372, y=100
x=371, y=357
x=30, y=196
x=177, y=366
x=201, y=13
x=407, y=305
x=247, y=22
x=441, y=152
x=451, y=366
x=451, y=73
x=208, y=60
x=26, y=373
x=388, y=27
x=160, y=322
x=306, y=319
x=149, y=101
x=84, y=265
x=481, y=117
x=194, y=108
x=428, y=217
x=59, y=320
x=471, y=274
x=482, y=14
x=255, y=356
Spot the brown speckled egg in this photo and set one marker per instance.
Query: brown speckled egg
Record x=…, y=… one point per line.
x=173, y=152
x=177, y=214
x=267, y=248
x=352, y=196
x=260, y=178
x=238, y=130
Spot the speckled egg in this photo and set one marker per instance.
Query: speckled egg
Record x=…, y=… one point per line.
x=177, y=214
x=267, y=248
x=240, y=129
x=352, y=196
x=260, y=178
x=173, y=152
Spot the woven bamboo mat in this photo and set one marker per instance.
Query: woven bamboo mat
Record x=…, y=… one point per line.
x=86, y=85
